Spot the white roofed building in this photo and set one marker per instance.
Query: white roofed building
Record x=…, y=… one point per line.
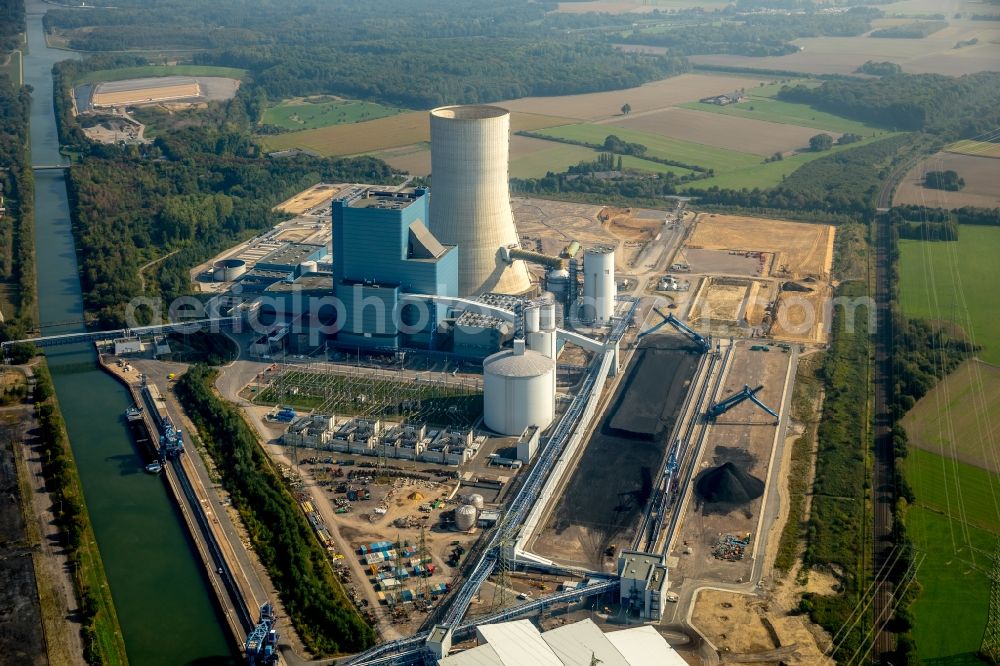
x=520, y=643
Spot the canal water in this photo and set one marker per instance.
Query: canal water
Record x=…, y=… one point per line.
x=167, y=611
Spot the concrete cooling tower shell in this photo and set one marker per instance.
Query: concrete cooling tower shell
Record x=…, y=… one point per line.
x=470, y=198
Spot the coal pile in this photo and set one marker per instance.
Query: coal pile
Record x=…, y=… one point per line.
x=728, y=484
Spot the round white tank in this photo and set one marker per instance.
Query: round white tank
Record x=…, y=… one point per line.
x=557, y=280
x=519, y=389
x=227, y=270
x=599, y=285
x=532, y=318
x=475, y=499
x=465, y=517
x=470, y=200
x=307, y=267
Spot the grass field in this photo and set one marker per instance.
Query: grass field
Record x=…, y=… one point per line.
x=659, y=146
x=558, y=157
x=958, y=540
x=981, y=148
x=402, y=129
x=310, y=113
x=958, y=414
x=12, y=67
x=787, y=113
x=161, y=70
x=955, y=281
x=950, y=612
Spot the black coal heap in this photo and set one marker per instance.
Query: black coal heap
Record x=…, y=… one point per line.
x=729, y=484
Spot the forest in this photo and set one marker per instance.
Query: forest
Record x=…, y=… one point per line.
x=194, y=193
x=314, y=600
x=754, y=34
x=949, y=107
x=17, y=252
x=11, y=24
x=414, y=55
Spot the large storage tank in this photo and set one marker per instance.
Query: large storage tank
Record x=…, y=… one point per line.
x=470, y=200
x=475, y=499
x=465, y=517
x=519, y=388
x=307, y=267
x=598, y=285
x=227, y=270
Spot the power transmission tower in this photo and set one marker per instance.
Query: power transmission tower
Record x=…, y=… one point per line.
x=423, y=557
x=990, y=649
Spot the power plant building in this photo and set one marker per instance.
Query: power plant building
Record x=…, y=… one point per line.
x=470, y=206
x=382, y=249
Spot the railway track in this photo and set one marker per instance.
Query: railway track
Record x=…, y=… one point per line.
x=884, y=469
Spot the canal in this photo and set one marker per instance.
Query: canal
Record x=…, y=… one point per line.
x=167, y=611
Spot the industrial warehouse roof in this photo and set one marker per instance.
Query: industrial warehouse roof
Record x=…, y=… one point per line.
x=508, y=363
x=578, y=644
x=292, y=254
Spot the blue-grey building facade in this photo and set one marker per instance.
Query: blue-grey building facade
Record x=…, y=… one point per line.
x=382, y=249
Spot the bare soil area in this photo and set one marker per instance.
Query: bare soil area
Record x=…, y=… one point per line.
x=981, y=175
x=309, y=198
x=649, y=97
x=730, y=132
x=801, y=248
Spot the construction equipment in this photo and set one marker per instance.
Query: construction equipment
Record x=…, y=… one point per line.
x=746, y=393
x=703, y=343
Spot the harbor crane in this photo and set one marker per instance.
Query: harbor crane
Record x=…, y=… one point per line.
x=746, y=393
x=702, y=342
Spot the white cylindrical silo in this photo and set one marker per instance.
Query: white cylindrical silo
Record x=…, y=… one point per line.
x=519, y=388
x=598, y=285
x=307, y=267
x=532, y=318
x=465, y=517
x=547, y=321
x=470, y=200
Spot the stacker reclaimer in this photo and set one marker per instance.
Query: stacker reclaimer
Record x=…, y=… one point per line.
x=746, y=393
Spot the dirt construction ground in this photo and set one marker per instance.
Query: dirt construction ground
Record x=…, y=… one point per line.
x=804, y=249
x=309, y=198
x=609, y=488
x=743, y=436
x=981, y=175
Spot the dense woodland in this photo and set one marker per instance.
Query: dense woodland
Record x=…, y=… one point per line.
x=950, y=107
x=753, y=35
x=424, y=55
x=11, y=25
x=314, y=600
x=191, y=193
x=17, y=264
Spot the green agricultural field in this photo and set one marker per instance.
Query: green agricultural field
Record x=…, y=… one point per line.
x=659, y=146
x=955, y=281
x=981, y=148
x=957, y=416
x=950, y=612
x=954, y=522
x=768, y=175
x=161, y=70
x=311, y=113
x=561, y=156
x=762, y=107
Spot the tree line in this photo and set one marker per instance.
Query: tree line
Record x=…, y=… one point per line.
x=299, y=568
x=949, y=107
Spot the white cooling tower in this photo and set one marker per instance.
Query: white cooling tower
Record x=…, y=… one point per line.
x=470, y=199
